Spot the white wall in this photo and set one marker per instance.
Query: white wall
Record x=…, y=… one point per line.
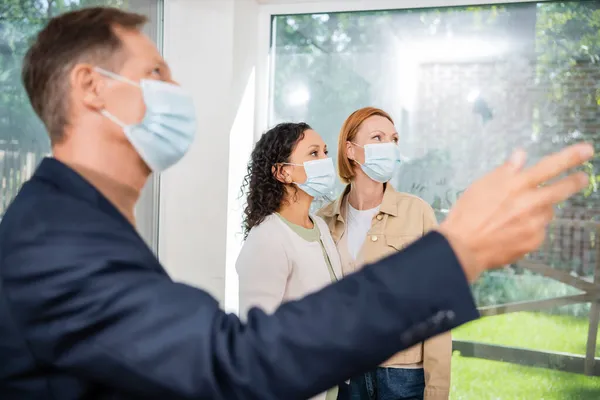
x=211, y=48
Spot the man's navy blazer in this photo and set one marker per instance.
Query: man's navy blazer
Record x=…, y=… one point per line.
x=88, y=312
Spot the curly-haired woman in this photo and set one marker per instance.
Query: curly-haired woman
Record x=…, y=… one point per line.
x=288, y=253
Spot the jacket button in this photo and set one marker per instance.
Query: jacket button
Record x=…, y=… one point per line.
x=379, y=217
x=374, y=238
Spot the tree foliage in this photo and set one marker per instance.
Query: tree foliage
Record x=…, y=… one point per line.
x=20, y=20
x=568, y=68
x=23, y=138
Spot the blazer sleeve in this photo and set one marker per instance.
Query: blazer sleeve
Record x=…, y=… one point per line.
x=92, y=305
x=263, y=269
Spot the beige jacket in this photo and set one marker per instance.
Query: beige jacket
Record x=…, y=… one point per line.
x=402, y=218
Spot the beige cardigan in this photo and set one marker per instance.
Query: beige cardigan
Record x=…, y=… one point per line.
x=276, y=265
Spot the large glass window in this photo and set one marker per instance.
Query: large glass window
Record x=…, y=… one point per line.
x=466, y=85
x=23, y=139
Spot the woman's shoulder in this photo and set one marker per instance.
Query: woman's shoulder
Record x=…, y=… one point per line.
x=332, y=209
x=263, y=240
x=325, y=211
x=411, y=201
x=270, y=224
x=414, y=211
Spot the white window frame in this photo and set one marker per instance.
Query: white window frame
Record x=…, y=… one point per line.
x=147, y=209
x=270, y=8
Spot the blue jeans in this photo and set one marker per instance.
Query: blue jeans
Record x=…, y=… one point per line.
x=389, y=384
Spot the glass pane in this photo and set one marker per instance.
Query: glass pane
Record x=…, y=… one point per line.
x=465, y=86
x=23, y=139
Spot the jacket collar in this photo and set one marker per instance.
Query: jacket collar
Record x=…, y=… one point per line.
x=335, y=209
x=389, y=204
x=68, y=181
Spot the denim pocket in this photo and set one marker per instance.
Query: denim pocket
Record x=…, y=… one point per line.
x=400, y=384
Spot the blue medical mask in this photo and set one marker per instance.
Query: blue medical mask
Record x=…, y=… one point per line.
x=320, y=177
x=168, y=128
x=381, y=160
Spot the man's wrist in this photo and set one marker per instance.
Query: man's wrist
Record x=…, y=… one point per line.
x=466, y=256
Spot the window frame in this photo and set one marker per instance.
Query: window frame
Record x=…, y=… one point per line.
x=269, y=9
x=147, y=210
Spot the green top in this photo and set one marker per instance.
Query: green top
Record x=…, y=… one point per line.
x=314, y=235
x=311, y=235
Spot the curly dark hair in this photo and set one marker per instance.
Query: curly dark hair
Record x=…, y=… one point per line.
x=265, y=193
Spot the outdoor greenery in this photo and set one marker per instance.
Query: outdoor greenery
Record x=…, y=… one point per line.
x=530, y=330
x=495, y=288
x=341, y=59
x=22, y=135
x=475, y=379
x=567, y=38
x=20, y=20
x=538, y=331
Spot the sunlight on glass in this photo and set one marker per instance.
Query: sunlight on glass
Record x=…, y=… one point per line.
x=298, y=96
x=473, y=95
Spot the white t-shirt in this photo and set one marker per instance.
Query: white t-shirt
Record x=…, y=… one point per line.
x=358, y=225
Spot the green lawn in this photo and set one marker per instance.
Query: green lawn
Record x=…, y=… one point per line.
x=536, y=331
x=475, y=379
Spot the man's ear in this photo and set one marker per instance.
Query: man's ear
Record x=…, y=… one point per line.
x=86, y=85
x=281, y=174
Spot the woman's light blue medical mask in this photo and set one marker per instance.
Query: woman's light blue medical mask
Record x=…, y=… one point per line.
x=168, y=128
x=381, y=160
x=320, y=177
